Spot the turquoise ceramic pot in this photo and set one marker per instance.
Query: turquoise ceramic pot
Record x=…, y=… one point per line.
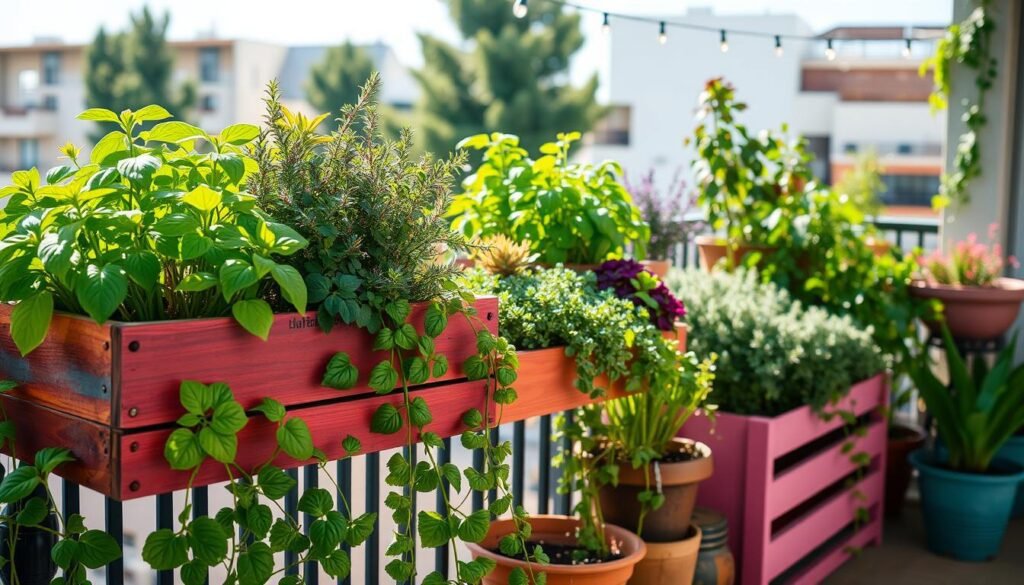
x=1013, y=450
x=965, y=514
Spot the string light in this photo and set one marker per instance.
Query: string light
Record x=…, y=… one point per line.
x=830, y=53
x=519, y=9
x=724, y=45
x=606, y=27
x=662, y=35
x=906, y=49
x=778, y=46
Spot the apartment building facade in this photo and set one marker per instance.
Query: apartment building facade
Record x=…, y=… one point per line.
x=42, y=89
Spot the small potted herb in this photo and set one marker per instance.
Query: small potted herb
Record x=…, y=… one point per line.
x=978, y=302
x=666, y=216
x=967, y=493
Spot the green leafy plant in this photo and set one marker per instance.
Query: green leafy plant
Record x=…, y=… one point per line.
x=981, y=409
x=244, y=537
x=26, y=491
x=863, y=184
x=568, y=212
x=148, y=228
x=967, y=43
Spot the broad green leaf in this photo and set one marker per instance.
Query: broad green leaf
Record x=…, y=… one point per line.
x=473, y=418
x=316, y=502
x=113, y=143
x=255, y=564
x=399, y=570
x=283, y=536
x=64, y=552
x=196, y=397
x=475, y=368
x=97, y=549
x=293, y=288
x=295, y=439
x=236, y=275
x=33, y=512
x=274, y=482
x=328, y=532
x=99, y=115
x=239, y=134
x=255, y=316
x=228, y=418
x=194, y=572
x=258, y=519
x=386, y=420
x=175, y=132
x=49, y=458
x=223, y=448
x=143, y=268
x=518, y=577
x=272, y=409
x=435, y=320
x=385, y=339
x=101, y=291
x=337, y=564
x=194, y=245
x=361, y=528
x=203, y=198
x=474, y=527
x=405, y=336
x=176, y=224
x=164, y=550
x=398, y=310
x=197, y=281
x=30, y=321
x=182, y=450
x=139, y=169
x=151, y=113
x=340, y=373
x=419, y=412
x=440, y=365
x=18, y=484
x=351, y=445
x=433, y=529
x=383, y=377
x=419, y=372
x=56, y=250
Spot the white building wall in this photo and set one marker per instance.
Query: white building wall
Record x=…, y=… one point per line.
x=886, y=122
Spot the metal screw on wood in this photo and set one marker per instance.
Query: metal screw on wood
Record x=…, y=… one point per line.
x=134, y=446
x=133, y=346
x=104, y=388
x=134, y=486
x=133, y=411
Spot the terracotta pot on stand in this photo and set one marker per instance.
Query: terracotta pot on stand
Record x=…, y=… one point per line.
x=673, y=543
x=658, y=268
x=561, y=530
x=974, y=312
x=903, y=439
x=714, y=250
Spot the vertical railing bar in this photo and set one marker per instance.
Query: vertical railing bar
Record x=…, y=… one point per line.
x=311, y=479
x=201, y=507
x=518, y=461
x=291, y=508
x=920, y=239
x=345, y=494
x=165, y=519
x=899, y=238
x=565, y=500
x=492, y=494
x=373, y=506
x=544, y=465
x=71, y=501
x=441, y=553
x=478, y=464
x=409, y=453
x=114, y=516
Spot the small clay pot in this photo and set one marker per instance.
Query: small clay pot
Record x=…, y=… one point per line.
x=658, y=268
x=679, y=481
x=713, y=251
x=715, y=563
x=902, y=440
x=561, y=530
x=974, y=312
x=879, y=247
x=669, y=562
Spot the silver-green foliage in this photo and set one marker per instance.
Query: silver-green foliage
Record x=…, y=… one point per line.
x=774, y=353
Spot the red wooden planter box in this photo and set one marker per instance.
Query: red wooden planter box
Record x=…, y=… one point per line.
x=110, y=392
x=780, y=483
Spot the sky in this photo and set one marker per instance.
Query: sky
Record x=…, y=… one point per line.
x=395, y=22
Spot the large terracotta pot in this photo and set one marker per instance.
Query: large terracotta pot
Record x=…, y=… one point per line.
x=561, y=530
x=713, y=250
x=669, y=562
x=974, y=312
x=658, y=268
x=902, y=440
x=679, y=481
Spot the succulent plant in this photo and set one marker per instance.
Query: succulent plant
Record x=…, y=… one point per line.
x=503, y=256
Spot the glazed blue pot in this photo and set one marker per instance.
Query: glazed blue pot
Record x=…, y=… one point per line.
x=965, y=514
x=1013, y=450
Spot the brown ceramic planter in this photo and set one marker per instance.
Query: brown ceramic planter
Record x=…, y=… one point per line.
x=902, y=440
x=561, y=530
x=713, y=250
x=974, y=312
x=658, y=268
x=669, y=562
x=679, y=481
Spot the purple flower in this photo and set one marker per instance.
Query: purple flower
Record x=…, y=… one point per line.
x=622, y=277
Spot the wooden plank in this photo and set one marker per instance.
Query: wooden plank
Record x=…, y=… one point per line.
x=92, y=444
x=69, y=372
x=802, y=425
x=155, y=357
x=820, y=524
x=145, y=471
x=816, y=473
x=840, y=553
x=757, y=527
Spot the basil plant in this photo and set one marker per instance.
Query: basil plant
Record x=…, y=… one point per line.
x=149, y=227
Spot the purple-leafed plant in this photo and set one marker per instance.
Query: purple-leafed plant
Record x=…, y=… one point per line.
x=630, y=280
x=665, y=213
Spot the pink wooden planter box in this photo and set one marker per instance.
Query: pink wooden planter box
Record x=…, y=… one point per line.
x=806, y=500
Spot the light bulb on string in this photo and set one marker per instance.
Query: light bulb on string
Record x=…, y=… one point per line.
x=724, y=44
x=519, y=9
x=830, y=52
x=778, y=46
x=606, y=26
x=662, y=35
x=906, y=49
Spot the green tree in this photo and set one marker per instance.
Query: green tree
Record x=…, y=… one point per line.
x=132, y=69
x=509, y=76
x=336, y=80
x=863, y=183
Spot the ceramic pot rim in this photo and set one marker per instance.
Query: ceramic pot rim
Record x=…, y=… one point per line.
x=924, y=461
x=713, y=240
x=674, y=473
x=1004, y=290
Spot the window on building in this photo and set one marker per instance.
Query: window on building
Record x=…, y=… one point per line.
x=614, y=129
x=208, y=103
x=50, y=102
x=28, y=152
x=904, y=148
x=28, y=84
x=51, y=68
x=850, y=148
x=916, y=190
x=821, y=161
x=209, y=64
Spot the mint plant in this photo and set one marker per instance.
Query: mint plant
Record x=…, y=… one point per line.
x=150, y=227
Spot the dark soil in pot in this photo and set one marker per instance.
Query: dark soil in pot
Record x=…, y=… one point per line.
x=564, y=554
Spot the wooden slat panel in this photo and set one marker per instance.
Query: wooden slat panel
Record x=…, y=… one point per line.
x=143, y=459
x=818, y=472
x=288, y=366
x=840, y=553
x=37, y=427
x=70, y=372
x=801, y=426
x=819, y=525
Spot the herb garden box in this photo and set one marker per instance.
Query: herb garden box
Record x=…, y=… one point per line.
x=784, y=485
x=110, y=392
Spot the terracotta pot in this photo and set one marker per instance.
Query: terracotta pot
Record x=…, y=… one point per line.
x=561, y=530
x=715, y=563
x=878, y=246
x=658, y=268
x=974, y=312
x=902, y=440
x=679, y=481
x=669, y=562
x=713, y=250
